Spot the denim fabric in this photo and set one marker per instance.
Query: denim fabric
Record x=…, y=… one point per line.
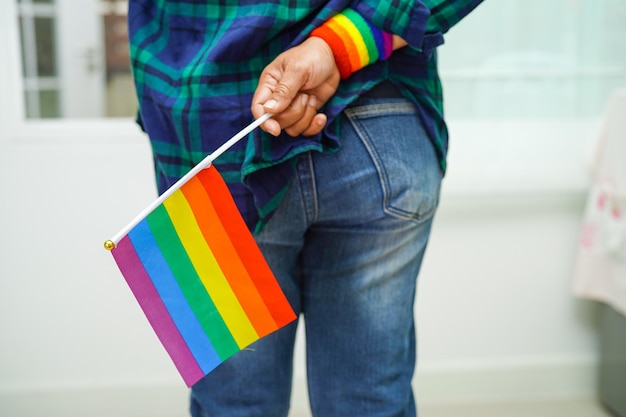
x=346, y=245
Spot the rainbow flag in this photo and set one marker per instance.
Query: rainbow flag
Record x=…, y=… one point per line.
x=199, y=276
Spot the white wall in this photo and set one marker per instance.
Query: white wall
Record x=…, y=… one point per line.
x=68, y=322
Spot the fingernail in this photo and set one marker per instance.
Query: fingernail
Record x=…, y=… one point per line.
x=270, y=104
x=273, y=130
x=303, y=99
x=312, y=101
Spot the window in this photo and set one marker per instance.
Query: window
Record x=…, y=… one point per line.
x=75, y=59
x=535, y=59
x=39, y=58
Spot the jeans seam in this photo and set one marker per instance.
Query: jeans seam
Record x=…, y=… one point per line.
x=306, y=178
x=351, y=114
x=314, y=198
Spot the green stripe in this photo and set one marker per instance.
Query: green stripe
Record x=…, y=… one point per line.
x=366, y=34
x=145, y=32
x=142, y=57
x=183, y=101
x=231, y=157
x=145, y=56
x=210, y=10
x=190, y=284
x=219, y=13
x=231, y=177
x=158, y=84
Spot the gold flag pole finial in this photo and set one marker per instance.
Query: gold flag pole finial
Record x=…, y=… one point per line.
x=109, y=245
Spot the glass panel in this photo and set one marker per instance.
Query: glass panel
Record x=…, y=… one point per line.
x=45, y=45
x=49, y=104
x=42, y=104
x=120, y=97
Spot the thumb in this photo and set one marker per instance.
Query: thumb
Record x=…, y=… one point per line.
x=285, y=91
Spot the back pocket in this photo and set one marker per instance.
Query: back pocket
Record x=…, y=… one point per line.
x=404, y=157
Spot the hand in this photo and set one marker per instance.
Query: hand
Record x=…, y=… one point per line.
x=295, y=86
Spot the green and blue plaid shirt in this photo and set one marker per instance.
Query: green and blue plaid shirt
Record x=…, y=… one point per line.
x=196, y=65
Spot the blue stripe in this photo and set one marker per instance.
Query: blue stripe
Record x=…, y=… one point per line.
x=173, y=297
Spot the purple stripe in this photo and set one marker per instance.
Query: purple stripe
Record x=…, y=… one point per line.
x=388, y=46
x=379, y=39
x=154, y=309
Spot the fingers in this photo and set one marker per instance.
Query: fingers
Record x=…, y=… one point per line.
x=263, y=92
x=300, y=118
x=290, y=108
x=283, y=85
x=316, y=126
x=294, y=86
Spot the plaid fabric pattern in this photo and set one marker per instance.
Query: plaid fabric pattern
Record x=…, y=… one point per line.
x=447, y=13
x=196, y=65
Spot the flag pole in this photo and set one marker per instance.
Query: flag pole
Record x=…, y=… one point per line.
x=205, y=163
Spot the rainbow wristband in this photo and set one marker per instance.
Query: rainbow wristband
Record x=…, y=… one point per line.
x=354, y=41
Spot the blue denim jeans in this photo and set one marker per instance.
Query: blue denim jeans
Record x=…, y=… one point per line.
x=346, y=245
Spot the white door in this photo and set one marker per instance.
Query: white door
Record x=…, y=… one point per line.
x=81, y=58
x=71, y=66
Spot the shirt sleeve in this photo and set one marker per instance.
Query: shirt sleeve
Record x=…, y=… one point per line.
x=405, y=18
x=446, y=13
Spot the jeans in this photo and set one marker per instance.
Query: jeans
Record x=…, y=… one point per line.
x=346, y=246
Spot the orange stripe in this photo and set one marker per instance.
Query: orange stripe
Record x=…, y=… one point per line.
x=227, y=258
x=247, y=248
x=349, y=43
x=355, y=34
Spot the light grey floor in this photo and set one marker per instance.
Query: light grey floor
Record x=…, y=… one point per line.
x=553, y=408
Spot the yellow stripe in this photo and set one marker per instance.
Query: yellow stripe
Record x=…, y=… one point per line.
x=209, y=271
x=356, y=36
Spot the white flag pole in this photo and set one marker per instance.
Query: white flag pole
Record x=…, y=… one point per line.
x=205, y=163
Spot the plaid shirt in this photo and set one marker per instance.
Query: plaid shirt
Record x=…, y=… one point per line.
x=196, y=65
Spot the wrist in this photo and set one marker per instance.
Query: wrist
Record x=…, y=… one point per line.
x=354, y=42
x=398, y=42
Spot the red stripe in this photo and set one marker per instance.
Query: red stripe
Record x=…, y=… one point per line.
x=339, y=48
x=246, y=247
x=146, y=294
